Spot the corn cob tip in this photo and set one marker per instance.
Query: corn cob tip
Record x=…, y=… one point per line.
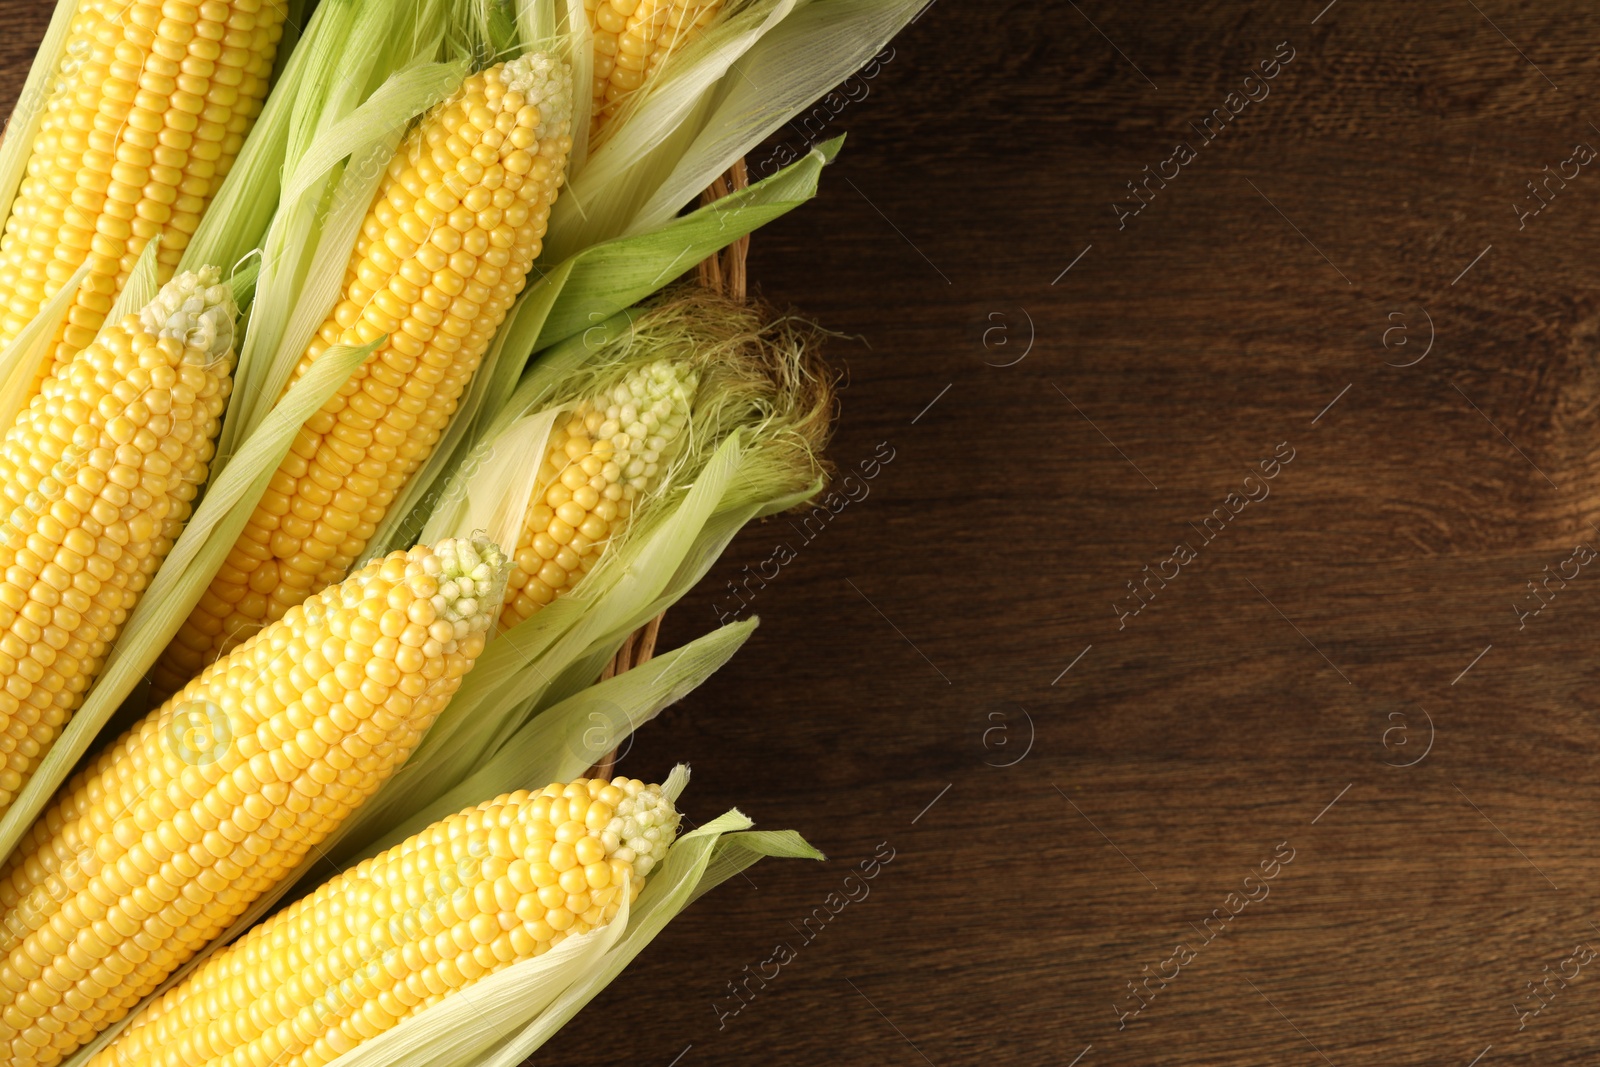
x=642, y=826
x=472, y=579
x=546, y=82
x=196, y=310
x=651, y=409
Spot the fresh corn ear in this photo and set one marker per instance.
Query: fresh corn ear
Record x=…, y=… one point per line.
x=445, y=248
x=622, y=420
x=97, y=476
x=632, y=40
x=170, y=834
x=604, y=456
x=471, y=895
x=150, y=106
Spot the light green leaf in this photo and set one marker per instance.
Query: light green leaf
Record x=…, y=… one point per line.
x=561, y=743
x=142, y=285
x=814, y=49
x=619, y=273
x=405, y=94
x=495, y=501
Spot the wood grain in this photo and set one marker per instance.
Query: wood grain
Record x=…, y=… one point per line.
x=932, y=619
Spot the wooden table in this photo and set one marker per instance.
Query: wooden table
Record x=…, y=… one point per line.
x=1317, y=791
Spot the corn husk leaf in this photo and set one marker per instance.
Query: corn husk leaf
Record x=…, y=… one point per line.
x=642, y=143
x=818, y=46
x=575, y=26
x=243, y=280
x=21, y=359
x=142, y=285
x=620, y=273
x=560, y=743
x=496, y=502
x=346, y=52
x=178, y=585
x=535, y=24
x=294, y=17
x=752, y=71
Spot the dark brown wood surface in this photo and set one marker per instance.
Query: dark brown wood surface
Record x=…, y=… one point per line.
x=1339, y=273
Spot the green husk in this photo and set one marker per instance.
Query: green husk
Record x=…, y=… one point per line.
x=643, y=141
x=754, y=69
x=818, y=46
x=575, y=734
x=575, y=24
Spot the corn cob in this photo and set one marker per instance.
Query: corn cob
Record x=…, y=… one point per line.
x=632, y=39
x=97, y=476
x=611, y=450
x=456, y=223
x=166, y=838
x=471, y=895
x=150, y=106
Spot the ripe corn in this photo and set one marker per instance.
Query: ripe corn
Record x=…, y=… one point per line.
x=602, y=457
x=97, y=476
x=149, y=107
x=471, y=895
x=456, y=223
x=632, y=39
x=167, y=836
